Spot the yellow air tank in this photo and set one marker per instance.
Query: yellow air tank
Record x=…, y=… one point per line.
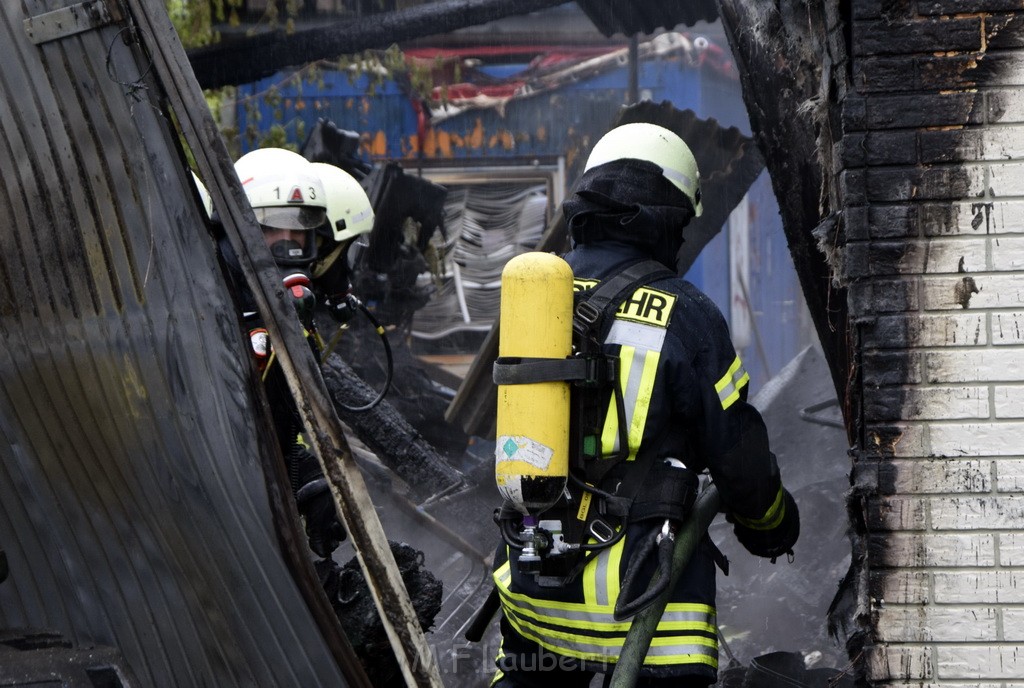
x=532, y=450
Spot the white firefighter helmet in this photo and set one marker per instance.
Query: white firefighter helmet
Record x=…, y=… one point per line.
x=644, y=141
x=289, y=202
x=349, y=212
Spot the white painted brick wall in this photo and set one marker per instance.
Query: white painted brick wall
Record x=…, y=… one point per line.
x=942, y=346
x=946, y=403
x=1007, y=327
x=981, y=512
x=987, y=365
x=980, y=661
x=925, y=476
x=994, y=291
x=926, y=550
x=944, y=256
x=963, y=587
x=909, y=663
x=1013, y=625
x=1011, y=549
x=931, y=623
x=1009, y=401
x=947, y=542
x=898, y=513
x=972, y=218
x=976, y=439
x=1009, y=475
x=901, y=587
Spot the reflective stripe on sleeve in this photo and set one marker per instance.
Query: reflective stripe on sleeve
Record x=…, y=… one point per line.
x=772, y=517
x=732, y=382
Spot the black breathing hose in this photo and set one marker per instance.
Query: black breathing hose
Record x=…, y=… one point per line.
x=356, y=303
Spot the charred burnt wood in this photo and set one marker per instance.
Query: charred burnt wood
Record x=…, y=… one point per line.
x=388, y=434
x=791, y=78
x=346, y=588
x=239, y=62
x=396, y=197
x=329, y=143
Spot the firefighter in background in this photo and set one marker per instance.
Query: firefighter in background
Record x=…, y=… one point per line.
x=291, y=203
x=683, y=393
x=349, y=216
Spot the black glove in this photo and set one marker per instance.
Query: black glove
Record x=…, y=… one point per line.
x=776, y=542
x=323, y=529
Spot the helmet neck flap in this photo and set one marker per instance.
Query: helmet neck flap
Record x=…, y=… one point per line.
x=629, y=201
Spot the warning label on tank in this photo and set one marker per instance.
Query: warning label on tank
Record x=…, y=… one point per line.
x=518, y=448
x=511, y=488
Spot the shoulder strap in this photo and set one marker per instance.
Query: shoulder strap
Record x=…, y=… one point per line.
x=593, y=309
x=591, y=321
x=597, y=305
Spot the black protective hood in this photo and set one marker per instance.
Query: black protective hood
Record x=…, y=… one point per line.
x=631, y=202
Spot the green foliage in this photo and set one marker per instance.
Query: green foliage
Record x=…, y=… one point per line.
x=196, y=21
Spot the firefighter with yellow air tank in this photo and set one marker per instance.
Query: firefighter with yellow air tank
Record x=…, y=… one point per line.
x=618, y=386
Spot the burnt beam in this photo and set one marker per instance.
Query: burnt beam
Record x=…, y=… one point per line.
x=786, y=73
x=253, y=58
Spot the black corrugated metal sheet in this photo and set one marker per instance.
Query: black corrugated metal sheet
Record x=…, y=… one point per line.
x=646, y=16
x=134, y=507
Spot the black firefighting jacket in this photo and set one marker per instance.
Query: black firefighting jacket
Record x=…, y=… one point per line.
x=685, y=393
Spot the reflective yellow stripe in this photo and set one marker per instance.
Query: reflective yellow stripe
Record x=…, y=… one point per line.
x=729, y=386
x=610, y=435
x=664, y=649
x=499, y=674
x=771, y=519
x=601, y=576
x=641, y=401
x=503, y=574
x=638, y=368
x=574, y=616
x=686, y=631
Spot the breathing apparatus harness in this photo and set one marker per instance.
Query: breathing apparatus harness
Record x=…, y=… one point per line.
x=591, y=515
x=342, y=308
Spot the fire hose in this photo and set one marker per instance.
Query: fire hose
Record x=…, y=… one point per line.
x=641, y=631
